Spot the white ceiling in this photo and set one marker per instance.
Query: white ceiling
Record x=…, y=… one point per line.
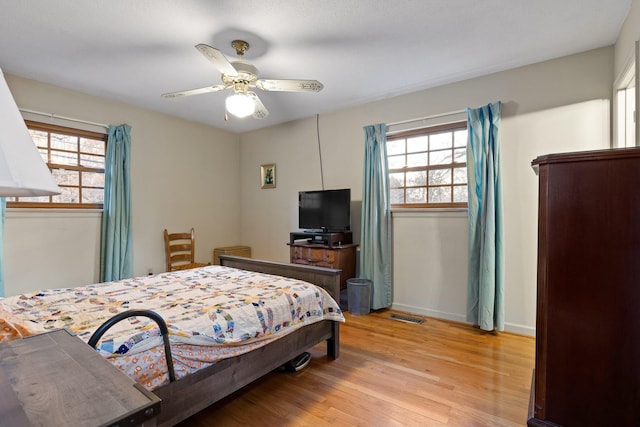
x=361, y=50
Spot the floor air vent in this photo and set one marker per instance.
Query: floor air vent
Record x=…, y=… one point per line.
x=407, y=319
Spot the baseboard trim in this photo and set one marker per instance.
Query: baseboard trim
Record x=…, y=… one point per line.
x=508, y=327
x=520, y=329
x=426, y=312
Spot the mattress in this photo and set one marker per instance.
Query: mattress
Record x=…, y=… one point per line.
x=212, y=313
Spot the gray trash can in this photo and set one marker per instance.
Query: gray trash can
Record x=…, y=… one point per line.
x=359, y=296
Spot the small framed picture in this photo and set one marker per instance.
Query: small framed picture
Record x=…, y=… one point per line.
x=268, y=176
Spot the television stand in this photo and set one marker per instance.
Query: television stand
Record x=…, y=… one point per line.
x=323, y=238
x=341, y=256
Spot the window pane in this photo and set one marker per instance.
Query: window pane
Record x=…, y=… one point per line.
x=395, y=146
x=92, y=146
x=416, y=178
x=39, y=138
x=92, y=195
x=66, y=177
x=460, y=175
x=629, y=112
x=440, y=157
x=76, y=159
x=416, y=195
x=460, y=138
x=396, y=180
x=45, y=154
x=62, y=158
x=64, y=142
x=460, y=194
x=38, y=199
x=397, y=196
x=418, y=143
x=439, y=176
x=396, y=162
x=420, y=159
x=93, y=179
x=440, y=195
x=90, y=161
x=68, y=195
x=440, y=141
x=421, y=166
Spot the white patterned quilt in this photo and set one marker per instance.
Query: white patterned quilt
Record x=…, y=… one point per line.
x=212, y=313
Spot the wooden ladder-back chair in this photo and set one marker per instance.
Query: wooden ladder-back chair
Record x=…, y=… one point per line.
x=180, y=249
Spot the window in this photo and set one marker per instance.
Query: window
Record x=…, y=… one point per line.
x=76, y=160
x=625, y=108
x=428, y=167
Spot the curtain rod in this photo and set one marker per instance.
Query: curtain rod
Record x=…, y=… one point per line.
x=55, y=116
x=435, y=116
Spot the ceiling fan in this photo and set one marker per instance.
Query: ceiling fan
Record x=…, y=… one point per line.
x=241, y=76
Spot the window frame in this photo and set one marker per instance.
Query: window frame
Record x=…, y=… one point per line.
x=73, y=132
x=425, y=131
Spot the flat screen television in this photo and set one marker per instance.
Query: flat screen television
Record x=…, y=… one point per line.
x=325, y=210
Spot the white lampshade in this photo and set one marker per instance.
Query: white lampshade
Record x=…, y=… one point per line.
x=22, y=170
x=240, y=104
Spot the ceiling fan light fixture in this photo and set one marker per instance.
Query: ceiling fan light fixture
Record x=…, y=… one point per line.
x=240, y=104
x=240, y=76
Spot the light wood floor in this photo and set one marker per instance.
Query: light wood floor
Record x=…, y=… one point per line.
x=392, y=373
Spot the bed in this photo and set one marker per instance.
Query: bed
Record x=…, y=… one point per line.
x=213, y=360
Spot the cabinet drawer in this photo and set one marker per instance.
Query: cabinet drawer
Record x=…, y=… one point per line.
x=341, y=257
x=312, y=255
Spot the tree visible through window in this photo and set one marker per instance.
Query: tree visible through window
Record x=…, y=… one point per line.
x=76, y=160
x=428, y=167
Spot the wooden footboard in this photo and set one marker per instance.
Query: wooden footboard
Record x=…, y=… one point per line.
x=191, y=394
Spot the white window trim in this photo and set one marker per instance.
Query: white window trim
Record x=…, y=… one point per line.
x=631, y=72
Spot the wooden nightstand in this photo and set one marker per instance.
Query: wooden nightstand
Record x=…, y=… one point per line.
x=56, y=379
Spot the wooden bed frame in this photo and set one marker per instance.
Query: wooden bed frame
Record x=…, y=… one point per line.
x=191, y=394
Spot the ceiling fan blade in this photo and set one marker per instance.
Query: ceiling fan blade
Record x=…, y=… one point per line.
x=261, y=111
x=218, y=59
x=290, y=85
x=198, y=91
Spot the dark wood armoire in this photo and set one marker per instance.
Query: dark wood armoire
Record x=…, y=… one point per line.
x=587, y=367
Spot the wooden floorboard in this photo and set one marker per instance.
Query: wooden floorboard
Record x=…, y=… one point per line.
x=392, y=373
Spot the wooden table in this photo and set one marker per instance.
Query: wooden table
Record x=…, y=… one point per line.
x=56, y=379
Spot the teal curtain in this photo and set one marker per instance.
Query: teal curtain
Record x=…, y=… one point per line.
x=375, y=232
x=3, y=211
x=116, y=255
x=485, y=298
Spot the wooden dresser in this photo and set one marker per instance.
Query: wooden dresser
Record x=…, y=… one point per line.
x=587, y=368
x=341, y=257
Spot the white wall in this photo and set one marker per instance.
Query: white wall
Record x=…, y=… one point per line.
x=430, y=263
x=559, y=105
x=629, y=34
x=183, y=175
